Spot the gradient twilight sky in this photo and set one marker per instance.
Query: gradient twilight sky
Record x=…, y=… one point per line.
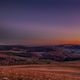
x=39, y=22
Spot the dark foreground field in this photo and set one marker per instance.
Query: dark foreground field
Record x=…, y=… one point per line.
x=55, y=71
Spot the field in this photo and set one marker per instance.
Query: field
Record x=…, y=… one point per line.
x=55, y=71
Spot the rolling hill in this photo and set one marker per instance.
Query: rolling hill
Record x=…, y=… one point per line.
x=10, y=54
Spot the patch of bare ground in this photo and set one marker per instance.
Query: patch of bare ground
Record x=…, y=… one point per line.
x=57, y=71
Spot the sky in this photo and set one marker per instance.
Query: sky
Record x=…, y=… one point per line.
x=39, y=22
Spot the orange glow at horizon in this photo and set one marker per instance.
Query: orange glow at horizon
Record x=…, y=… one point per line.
x=53, y=41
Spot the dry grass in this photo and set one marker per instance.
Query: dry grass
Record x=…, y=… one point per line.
x=39, y=73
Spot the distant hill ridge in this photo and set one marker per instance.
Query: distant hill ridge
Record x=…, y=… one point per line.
x=24, y=54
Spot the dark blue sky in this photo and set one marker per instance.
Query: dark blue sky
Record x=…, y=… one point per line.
x=36, y=22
